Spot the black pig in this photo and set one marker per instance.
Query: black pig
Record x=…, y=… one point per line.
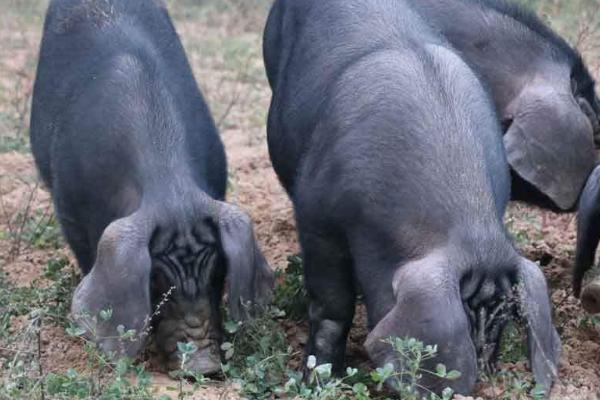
x=392, y=154
x=543, y=93
x=588, y=235
x=125, y=142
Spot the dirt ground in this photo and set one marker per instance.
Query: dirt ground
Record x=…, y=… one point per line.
x=224, y=49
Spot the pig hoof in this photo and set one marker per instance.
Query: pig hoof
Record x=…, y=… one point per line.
x=590, y=298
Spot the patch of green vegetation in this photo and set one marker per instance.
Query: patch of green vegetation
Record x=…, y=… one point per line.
x=411, y=354
x=74, y=385
x=16, y=94
x=50, y=299
x=57, y=296
x=290, y=295
x=258, y=356
x=526, y=231
x=514, y=384
x=41, y=304
x=185, y=351
x=257, y=361
x=590, y=322
x=43, y=232
x=38, y=230
x=513, y=349
x=10, y=143
x=517, y=386
x=105, y=380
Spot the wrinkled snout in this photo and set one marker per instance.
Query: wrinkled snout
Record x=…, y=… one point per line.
x=590, y=297
x=185, y=323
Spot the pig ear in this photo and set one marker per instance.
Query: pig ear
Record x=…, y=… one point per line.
x=429, y=308
x=249, y=278
x=592, y=115
x=543, y=340
x=120, y=282
x=588, y=229
x=550, y=143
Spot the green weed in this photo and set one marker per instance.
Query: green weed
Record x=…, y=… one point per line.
x=258, y=357
x=290, y=295
x=516, y=385
x=39, y=230
x=590, y=322
x=512, y=347
x=11, y=143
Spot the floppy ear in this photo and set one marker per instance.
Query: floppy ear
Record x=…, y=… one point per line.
x=429, y=308
x=588, y=229
x=119, y=281
x=543, y=340
x=594, y=117
x=550, y=143
x=249, y=278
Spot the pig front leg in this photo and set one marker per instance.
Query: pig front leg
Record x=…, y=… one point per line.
x=329, y=282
